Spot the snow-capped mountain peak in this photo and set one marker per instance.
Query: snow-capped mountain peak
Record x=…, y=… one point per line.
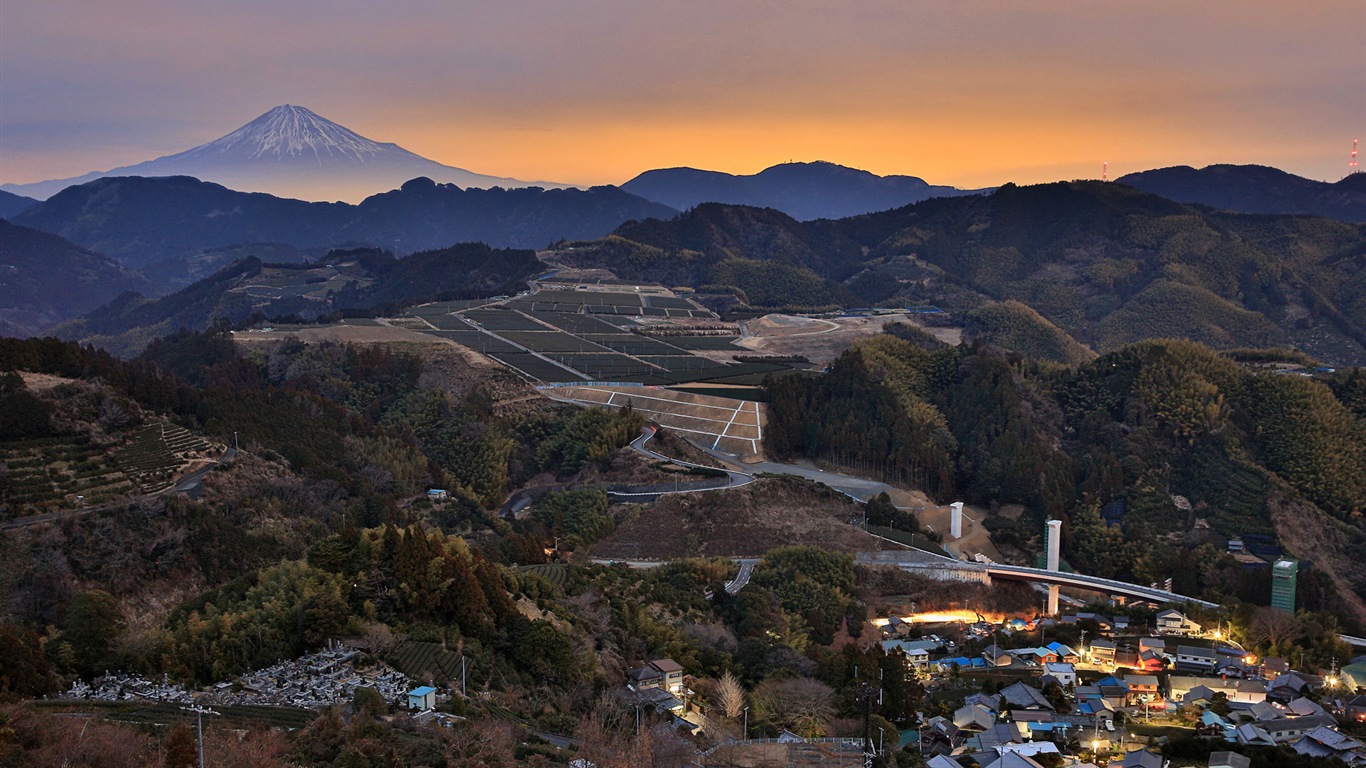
x=292, y=151
x=288, y=133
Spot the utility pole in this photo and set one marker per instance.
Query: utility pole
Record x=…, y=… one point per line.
x=462, y=676
x=746, y=722
x=199, y=720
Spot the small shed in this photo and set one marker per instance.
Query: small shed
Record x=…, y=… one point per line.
x=422, y=698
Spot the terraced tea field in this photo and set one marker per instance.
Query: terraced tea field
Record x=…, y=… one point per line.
x=157, y=453
x=416, y=660
x=43, y=475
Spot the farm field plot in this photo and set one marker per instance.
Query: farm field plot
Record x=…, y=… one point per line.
x=669, y=302
x=735, y=426
x=577, y=323
x=589, y=298
x=475, y=340
x=447, y=322
x=704, y=343
x=682, y=363
x=535, y=367
x=47, y=474
x=446, y=307
x=551, y=341
x=555, y=573
x=417, y=659
x=157, y=453
x=503, y=320
x=607, y=366
x=633, y=344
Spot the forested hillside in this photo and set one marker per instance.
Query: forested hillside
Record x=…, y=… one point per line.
x=366, y=280
x=1142, y=425
x=1105, y=263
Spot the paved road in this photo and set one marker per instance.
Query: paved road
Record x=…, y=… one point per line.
x=186, y=484
x=737, y=477
x=742, y=578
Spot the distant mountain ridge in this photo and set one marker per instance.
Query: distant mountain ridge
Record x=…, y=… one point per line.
x=147, y=221
x=11, y=204
x=804, y=191
x=46, y=280
x=291, y=151
x=1255, y=189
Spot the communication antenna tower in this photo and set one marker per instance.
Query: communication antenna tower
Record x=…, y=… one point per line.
x=1105, y=171
x=1352, y=166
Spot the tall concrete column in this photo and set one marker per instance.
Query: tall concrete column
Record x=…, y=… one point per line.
x=956, y=520
x=1054, y=552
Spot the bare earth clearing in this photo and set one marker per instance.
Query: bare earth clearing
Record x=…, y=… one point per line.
x=745, y=521
x=821, y=340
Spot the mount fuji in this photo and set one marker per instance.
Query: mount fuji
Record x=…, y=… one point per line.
x=291, y=151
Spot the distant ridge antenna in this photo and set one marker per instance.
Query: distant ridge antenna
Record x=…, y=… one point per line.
x=1105, y=170
x=1352, y=166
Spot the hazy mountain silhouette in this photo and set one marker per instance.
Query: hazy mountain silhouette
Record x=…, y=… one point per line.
x=45, y=280
x=804, y=191
x=11, y=204
x=162, y=221
x=1255, y=189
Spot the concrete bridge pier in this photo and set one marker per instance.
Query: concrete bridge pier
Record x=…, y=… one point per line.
x=1054, y=551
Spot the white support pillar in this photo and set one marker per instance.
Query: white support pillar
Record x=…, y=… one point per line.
x=956, y=520
x=1054, y=551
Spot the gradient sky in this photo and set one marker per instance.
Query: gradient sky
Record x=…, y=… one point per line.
x=962, y=92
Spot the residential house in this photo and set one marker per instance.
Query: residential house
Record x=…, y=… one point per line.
x=1064, y=653
x=422, y=698
x=1174, y=622
x=1152, y=644
x=1151, y=661
x=917, y=652
x=1287, y=730
x=1292, y=685
x=1195, y=659
x=1120, y=623
x=1142, y=688
x=672, y=672
x=974, y=717
x=1355, y=708
x=1229, y=760
x=996, y=656
x=1248, y=734
x=1102, y=651
x=660, y=673
x=940, y=761
x=939, y=736
x=1021, y=696
x=1212, y=724
x=1014, y=760
x=1140, y=758
x=1113, y=690
x=1065, y=674
x=1127, y=659
x=437, y=494
x=1324, y=741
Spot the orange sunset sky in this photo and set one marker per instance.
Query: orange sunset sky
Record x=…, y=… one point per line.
x=596, y=91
